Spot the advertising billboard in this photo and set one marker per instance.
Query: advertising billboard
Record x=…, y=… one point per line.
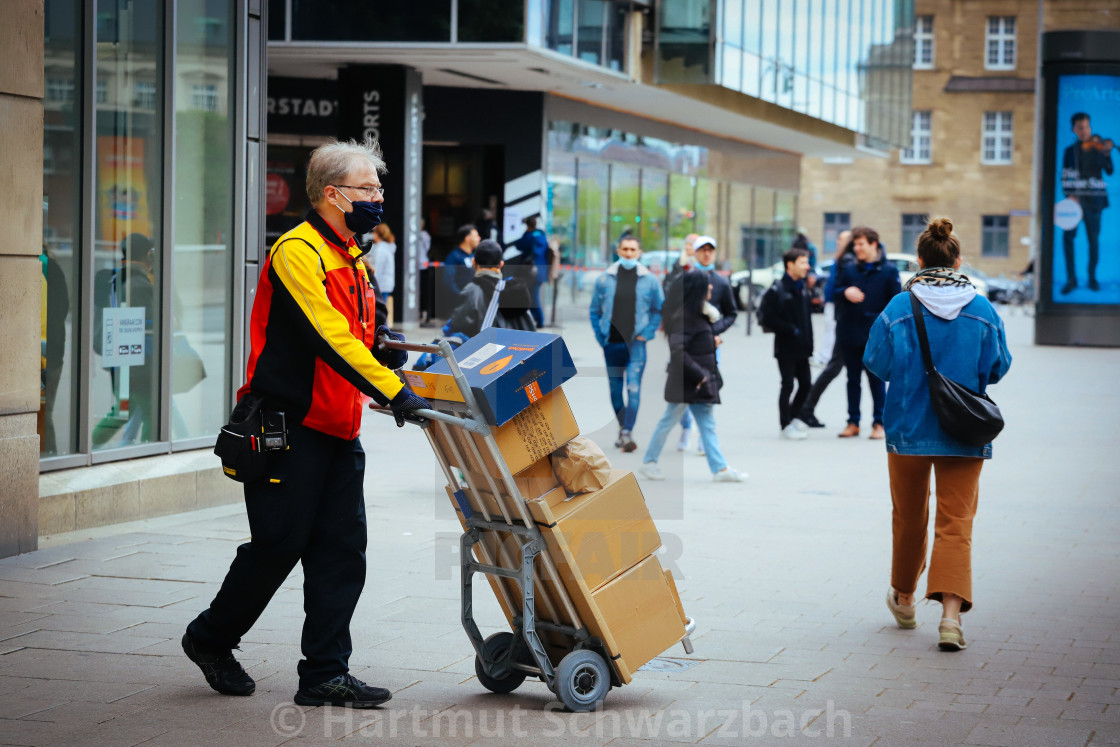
x=1086, y=210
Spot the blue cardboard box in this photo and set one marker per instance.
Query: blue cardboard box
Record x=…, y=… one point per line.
x=507, y=369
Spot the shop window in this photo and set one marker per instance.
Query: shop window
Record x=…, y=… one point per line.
x=60, y=89
x=999, y=40
x=203, y=254
x=913, y=225
x=682, y=208
x=995, y=236
x=923, y=43
x=129, y=254
x=997, y=144
x=655, y=209
x=591, y=232
x=561, y=26
x=145, y=95
x=625, y=210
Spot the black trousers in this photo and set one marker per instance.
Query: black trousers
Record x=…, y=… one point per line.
x=1091, y=217
x=830, y=372
x=791, y=369
x=315, y=515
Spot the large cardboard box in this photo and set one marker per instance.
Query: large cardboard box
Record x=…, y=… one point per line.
x=528, y=437
x=507, y=370
x=532, y=482
x=641, y=614
x=596, y=536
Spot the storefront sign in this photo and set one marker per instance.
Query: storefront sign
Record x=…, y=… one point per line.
x=122, y=336
x=302, y=106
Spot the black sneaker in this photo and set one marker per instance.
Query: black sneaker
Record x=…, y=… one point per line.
x=626, y=443
x=810, y=420
x=1094, y=285
x=343, y=690
x=221, y=670
x=1069, y=287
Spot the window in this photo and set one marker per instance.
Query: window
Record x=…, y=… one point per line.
x=102, y=90
x=921, y=140
x=996, y=145
x=1000, y=43
x=834, y=225
x=145, y=96
x=60, y=89
x=923, y=43
x=913, y=224
x=996, y=236
x=204, y=96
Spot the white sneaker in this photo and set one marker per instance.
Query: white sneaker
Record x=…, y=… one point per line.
x=651, y=471
x=800, y=425
x=792, y=433
x=730, y=475
x=682, y=442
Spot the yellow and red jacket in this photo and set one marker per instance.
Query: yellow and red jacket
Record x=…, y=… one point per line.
x=311, y=330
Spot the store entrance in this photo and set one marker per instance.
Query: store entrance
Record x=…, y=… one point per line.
x=460, y=183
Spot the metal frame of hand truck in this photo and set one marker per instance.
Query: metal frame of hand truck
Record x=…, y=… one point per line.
x=518, y=523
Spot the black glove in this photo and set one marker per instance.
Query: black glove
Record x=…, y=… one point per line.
x=391, y=359
x=403, y=405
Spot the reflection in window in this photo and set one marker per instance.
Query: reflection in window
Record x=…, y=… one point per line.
x=682, y=204
x=383, y=21
x=560, y=25
x=591, y=217
x=145, y=95
x=59, y=259
x=561, y=227
x=684, y=41
x=625, y=210
x=491, y=20
x=655, y=209
x=128, y=249
x=589, y=37
x=200, y=302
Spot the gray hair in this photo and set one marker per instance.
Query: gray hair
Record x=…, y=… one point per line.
x=331, y=163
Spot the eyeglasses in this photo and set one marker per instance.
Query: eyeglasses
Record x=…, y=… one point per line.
x=367, y=191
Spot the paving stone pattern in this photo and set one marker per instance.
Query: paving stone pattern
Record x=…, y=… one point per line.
x=785, y=576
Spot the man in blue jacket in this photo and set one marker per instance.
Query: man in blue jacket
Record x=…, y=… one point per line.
x=457, y=272
x=863, y=289
x=625, y=314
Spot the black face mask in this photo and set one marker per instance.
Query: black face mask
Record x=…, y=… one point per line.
x=365, y=216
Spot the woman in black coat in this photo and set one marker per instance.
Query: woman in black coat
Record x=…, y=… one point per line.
x=693, y=382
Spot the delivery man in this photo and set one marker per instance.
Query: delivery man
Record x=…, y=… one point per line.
x=312, y=329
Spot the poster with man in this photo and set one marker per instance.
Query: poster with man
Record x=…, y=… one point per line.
x=1087, y=214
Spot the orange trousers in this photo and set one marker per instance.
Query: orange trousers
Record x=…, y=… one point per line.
x=958, y=489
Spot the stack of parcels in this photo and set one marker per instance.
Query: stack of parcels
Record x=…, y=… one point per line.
x=602, y=543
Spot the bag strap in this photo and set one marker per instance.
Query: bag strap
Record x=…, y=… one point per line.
x=492, y=309
x=923, y=338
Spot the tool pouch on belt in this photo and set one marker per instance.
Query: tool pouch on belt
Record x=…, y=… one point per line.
x=239, y=442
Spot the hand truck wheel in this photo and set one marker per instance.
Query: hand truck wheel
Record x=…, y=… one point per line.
x=582, y=680
x=494, y=648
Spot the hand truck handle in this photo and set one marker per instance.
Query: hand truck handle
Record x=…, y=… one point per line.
x=466, y=424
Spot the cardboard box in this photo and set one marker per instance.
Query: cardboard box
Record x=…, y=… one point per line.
x=532, y=482
x=676, y=595
x=639, y=611
x=596, y=536
x=506, y=369
x=528, y=437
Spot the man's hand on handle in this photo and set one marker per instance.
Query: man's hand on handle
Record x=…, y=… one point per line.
x=404, y=405
x=391, y=359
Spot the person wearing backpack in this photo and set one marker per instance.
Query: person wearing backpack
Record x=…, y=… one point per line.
x=785, y=307
x=514, y=300
x=967, y=345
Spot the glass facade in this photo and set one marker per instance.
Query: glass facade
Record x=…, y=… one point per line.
x=141, y=259
x=845, y=63
x=624, y=184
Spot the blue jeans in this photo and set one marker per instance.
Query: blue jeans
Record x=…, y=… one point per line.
x=705, y=418
x=853, y=361
x=625, y=365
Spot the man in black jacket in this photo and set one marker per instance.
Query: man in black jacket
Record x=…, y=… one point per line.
x=785, y=307
x=514, y=303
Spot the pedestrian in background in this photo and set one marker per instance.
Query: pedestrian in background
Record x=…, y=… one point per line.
x=786, y=309
x=457, y=270
x=863, y=289
x=694, y=380
x=625, y=314
x=385, y=263
x=968, y=345
x=514, y=299
x=828, y=350
x=534, y=255
x=683, y=264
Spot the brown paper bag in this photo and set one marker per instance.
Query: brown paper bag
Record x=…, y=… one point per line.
x=581, y=466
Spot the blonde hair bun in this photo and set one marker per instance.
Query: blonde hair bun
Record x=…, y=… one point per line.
x=941, y=228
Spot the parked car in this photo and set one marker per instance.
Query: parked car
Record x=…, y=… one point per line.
x=660, y=261
x=761, y=278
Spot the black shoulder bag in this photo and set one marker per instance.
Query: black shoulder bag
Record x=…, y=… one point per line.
x=971, y=418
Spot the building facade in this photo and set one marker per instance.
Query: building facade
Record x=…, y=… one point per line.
x=972, y=135
x=170, y=138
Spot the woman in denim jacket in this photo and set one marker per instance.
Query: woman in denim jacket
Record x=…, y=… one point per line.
x=968, y=345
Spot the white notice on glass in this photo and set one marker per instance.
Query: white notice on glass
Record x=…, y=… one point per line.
x=481, y=355
x=122, y=336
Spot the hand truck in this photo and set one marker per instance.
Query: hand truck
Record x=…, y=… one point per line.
x=501, y=541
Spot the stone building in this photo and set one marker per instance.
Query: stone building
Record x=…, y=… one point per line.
x=972, y=134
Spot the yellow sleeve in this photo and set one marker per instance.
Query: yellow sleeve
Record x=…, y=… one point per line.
x=298, y=285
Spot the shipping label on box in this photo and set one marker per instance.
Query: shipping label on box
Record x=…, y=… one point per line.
x=506, y=369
